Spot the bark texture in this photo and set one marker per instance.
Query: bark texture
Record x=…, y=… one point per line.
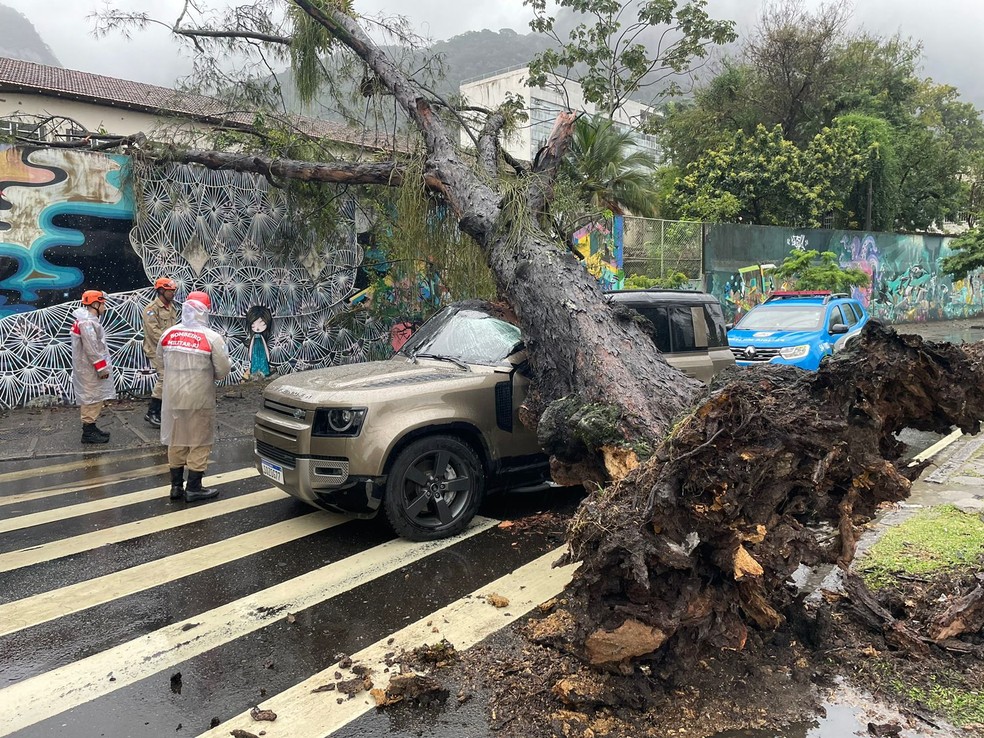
x=777, y=467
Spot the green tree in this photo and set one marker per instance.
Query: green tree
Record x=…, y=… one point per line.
x=812, y=270
x=804, y=71
x=793, y=55
x=766, y=179
x=613, y=59
x=872, y=203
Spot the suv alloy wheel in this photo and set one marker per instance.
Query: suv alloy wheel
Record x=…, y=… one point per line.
x=434, y=488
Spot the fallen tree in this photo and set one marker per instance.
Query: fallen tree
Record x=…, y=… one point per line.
x=697, y=543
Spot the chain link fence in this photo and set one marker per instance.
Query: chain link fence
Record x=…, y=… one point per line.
x=660, y=248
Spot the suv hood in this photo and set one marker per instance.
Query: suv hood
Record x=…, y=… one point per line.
x=771, y=338
x=352, y=381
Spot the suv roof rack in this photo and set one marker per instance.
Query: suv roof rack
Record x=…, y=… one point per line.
x=827, y=295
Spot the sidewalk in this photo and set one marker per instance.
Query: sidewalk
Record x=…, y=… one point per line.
x=42, y=433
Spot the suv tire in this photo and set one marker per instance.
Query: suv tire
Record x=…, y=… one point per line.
x=424, y=502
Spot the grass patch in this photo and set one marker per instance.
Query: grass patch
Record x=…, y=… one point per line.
x=939, y=539
x=959, y=706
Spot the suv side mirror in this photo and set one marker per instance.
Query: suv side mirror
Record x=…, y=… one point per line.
x=728, y=326
x=838, y=329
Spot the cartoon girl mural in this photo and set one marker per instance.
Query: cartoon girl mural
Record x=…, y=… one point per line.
x=259, y=320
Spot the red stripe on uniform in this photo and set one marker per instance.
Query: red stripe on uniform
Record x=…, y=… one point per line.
x=100, y=365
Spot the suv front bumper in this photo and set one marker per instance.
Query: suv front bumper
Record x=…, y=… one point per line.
x=320, y=481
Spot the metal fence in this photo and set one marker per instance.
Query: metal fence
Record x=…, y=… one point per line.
x=659, y=248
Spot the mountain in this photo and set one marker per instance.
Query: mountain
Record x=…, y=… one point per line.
x=482, y=53
x=20, y=40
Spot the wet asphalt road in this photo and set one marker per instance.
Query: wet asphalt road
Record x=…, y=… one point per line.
x=123, y=614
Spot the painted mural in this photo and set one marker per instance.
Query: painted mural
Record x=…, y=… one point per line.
x=600, y=247
x=71, y=221
x=907, y=285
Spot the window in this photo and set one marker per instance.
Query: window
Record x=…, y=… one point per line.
x=682, y=329
x=542, y=116
x=847, y=309
x=717, y=336
x=15, y=129
x=660, y=332
x=836, y=318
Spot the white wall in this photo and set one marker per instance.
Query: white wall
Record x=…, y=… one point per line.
x=115, y=121
x=542, y=104
x=490, y=92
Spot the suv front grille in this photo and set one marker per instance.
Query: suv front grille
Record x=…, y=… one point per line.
x=276, y=454
x=291, y=412
x=761, y=354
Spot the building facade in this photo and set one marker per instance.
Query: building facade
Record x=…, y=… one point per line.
x=543, y=104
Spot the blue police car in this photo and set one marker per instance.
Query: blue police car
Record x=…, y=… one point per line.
x=796, y=328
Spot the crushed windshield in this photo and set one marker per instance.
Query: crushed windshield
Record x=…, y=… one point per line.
x=466, y=335
x=782, y=318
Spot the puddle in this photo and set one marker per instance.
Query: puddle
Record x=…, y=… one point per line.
x=847, y=712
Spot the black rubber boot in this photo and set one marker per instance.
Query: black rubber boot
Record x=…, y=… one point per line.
x=194, y=491
x=153, y=415
x=177, y=483
x=91, y=434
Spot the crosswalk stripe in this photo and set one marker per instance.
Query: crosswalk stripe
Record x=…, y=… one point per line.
x=465, y=622
x=56, y=691
x=68, y=466
x=87, y=541
x=74, y=598
x=84, y=485
x=109, y=503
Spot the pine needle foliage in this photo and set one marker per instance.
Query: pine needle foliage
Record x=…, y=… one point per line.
x=421, y=241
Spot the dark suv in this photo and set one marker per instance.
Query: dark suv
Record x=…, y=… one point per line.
x=425, y=434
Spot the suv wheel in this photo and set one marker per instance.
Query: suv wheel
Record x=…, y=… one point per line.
x=434, y=489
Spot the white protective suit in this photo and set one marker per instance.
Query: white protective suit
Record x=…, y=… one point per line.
x=90, y=355
x=195, y=357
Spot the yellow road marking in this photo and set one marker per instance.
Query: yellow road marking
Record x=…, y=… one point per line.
x=304, y=714
x=56, y=691
x=88, y=541
x=68, y=466
x=74, y=598
x=108, y=503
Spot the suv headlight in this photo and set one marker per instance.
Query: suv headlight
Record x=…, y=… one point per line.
x=795, y=352
x=338, y=421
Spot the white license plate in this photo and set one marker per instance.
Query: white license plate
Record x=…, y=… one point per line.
x=275, y=472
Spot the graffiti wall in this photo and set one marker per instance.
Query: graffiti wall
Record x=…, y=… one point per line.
x=72, y=221
x=600, y=247
x=907, y=285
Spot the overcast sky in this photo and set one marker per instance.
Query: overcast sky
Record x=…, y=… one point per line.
x=952, y=31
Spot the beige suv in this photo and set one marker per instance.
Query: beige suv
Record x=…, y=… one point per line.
x=426, y=434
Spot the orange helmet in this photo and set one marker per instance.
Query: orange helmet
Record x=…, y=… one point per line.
x=200, y=297
x=90, y=297
x=165, y=283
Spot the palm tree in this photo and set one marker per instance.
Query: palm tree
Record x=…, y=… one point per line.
x=609, y=170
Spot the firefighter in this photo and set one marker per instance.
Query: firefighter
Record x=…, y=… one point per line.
x=194, y=357
x=92, y=368
x=158, y=315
